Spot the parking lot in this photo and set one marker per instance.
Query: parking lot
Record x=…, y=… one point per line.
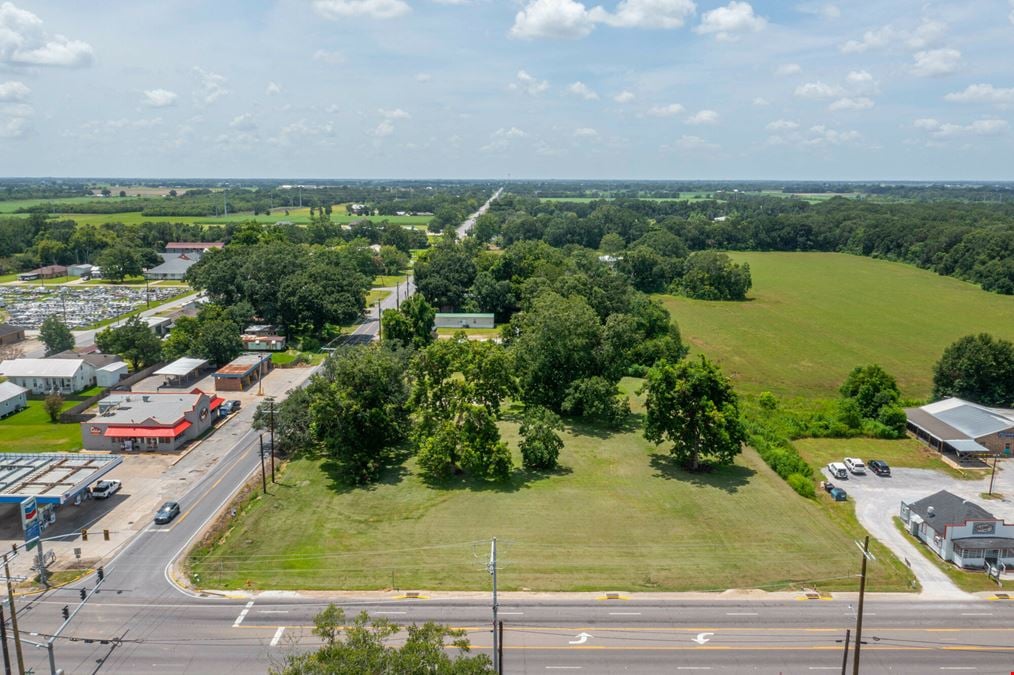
x=28, y=305
x=878, y=500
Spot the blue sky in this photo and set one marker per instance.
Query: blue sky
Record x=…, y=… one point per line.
x=668, y=89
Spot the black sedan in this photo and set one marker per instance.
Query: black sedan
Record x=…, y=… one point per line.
x=878, y=467
x=168, y=511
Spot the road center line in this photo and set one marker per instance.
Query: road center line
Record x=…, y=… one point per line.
x=278, y=636
x=242, y=615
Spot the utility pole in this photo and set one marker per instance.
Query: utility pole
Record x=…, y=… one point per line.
x=264, y=478
x=271, y=412
x=14, y=618
x=845, y=653
x=491, y=567
x=499, y=645
x=380, y=324
x=992, y=475
x=867, y=556
x=3, y=639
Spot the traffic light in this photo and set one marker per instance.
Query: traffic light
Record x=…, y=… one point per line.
x=66, y=612
x=102, y=574
x=83, y=593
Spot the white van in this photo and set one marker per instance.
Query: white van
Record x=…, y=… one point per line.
x=838, y=470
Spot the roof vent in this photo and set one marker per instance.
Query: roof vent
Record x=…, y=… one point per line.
x=930, y=511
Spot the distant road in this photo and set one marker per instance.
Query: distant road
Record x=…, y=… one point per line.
x=469, y=223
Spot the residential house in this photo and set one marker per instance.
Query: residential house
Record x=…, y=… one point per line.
x=12, y=398
x=45, y=376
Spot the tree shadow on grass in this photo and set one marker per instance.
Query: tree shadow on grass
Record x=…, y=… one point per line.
x=728, y=478
x=393, y=473
x=519, y=479
x=596, y=429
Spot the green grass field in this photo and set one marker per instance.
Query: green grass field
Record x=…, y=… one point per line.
x=12, y=205
x=616, y=516
x=31, y=431
x=812, y=317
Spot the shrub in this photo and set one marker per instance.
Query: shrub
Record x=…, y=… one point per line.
x=767, y=400
x=802, y=485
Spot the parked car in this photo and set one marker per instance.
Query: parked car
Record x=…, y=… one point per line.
x=168, y=511
x=838, y=470
x=838, y=494
x=827, y=485
x=106, y=488
x=855, y=465
x=878, y=467
x=234, y=405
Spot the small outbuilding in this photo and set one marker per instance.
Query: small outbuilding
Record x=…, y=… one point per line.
x=182, y=372
x=464, y=320
x=264, y=343
x=11, y=334
x=110, y=376
x=84, y=269
x=13, y=398
x=241, y=373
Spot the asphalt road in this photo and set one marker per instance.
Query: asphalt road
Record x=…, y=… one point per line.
x=140, y=622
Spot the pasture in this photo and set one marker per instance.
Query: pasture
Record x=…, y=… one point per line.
x=812, y=317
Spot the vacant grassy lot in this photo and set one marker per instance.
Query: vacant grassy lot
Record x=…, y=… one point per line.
x=617, y=516
x=31, y=431
x=812, y=317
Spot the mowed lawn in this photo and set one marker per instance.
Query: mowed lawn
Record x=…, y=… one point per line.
x=31, y=431
x=812, y=317
x=617, y=516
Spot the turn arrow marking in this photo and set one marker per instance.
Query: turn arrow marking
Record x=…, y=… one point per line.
x=702, y=638
x=581, y=639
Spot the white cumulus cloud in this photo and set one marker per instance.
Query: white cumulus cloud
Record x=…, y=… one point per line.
x=703, y=117
x=788, y=69
x=586, y=132
x=647, y=14
x=244, y=122
x=385, y=128
x=669, y=110
x=212, y=86
x=529, y=84
x=782, y=125
x=552, y=19
x=23, y=42
x=687, y=142
x=936, y=62
x=727, y=23
x=582, y=90
x=393, y=114
x=849, y=103
x=159, y=98
x=983, y=127
x=333, y=57
x=272, y=89
x=982, y=93
x=13, y=90
x=373, y=9
x=503, y=138
x=760, y=102
x=624, y=97
x=817, y=90
x=822, y=135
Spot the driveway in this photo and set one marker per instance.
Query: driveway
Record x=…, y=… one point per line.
x=878, y=501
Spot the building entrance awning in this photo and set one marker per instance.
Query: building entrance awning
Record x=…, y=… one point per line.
x=147, y=432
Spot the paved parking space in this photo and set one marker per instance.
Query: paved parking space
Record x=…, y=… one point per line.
x=878, y=501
